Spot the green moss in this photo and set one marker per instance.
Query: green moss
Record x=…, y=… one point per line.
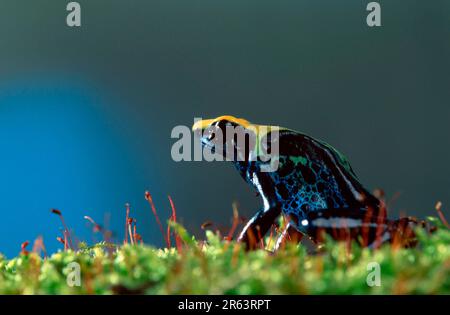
x=221, y=267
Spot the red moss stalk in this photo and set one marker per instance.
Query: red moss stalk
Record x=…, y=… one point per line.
x=66, y=230
x=235, y=223
x=366, y=227
x=24, y=248
x=149, y=198
x=39, y=246
x=261, y=239
x=168, y=241
x=97, y=227
x=66, y=244
x=130, y=223
x=174, y=218
x=441, y=214
x=381, y=219
x=127, y=207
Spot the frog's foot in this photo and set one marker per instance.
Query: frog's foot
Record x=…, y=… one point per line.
x=289, y=234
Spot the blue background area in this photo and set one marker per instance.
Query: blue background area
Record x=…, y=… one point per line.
x=60, y=150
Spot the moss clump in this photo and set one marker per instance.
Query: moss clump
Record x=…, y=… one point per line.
x=220, y=267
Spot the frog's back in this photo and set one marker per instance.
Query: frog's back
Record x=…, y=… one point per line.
x=314, y=176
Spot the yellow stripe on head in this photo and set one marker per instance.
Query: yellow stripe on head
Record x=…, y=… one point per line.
x=205, y=123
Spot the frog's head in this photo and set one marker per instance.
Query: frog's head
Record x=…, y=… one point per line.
x=238, y=140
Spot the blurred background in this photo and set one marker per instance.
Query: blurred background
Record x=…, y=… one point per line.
x=86, y=113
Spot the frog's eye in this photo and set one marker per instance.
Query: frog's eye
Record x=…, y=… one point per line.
x=220, y=124
x=223, y=124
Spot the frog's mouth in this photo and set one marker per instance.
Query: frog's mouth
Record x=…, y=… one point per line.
x=206, y=143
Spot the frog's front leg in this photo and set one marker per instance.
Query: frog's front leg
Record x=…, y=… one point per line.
x=258, y=226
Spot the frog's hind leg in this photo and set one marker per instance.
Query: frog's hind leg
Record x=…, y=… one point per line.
x=289, y=234
x=399, y=233
x=258, y=226
x=402, y=231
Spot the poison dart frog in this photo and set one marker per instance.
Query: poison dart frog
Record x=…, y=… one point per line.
x=313, y=186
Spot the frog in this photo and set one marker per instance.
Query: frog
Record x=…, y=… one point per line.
x=313, y=187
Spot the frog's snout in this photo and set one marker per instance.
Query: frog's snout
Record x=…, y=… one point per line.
x=224, y=135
